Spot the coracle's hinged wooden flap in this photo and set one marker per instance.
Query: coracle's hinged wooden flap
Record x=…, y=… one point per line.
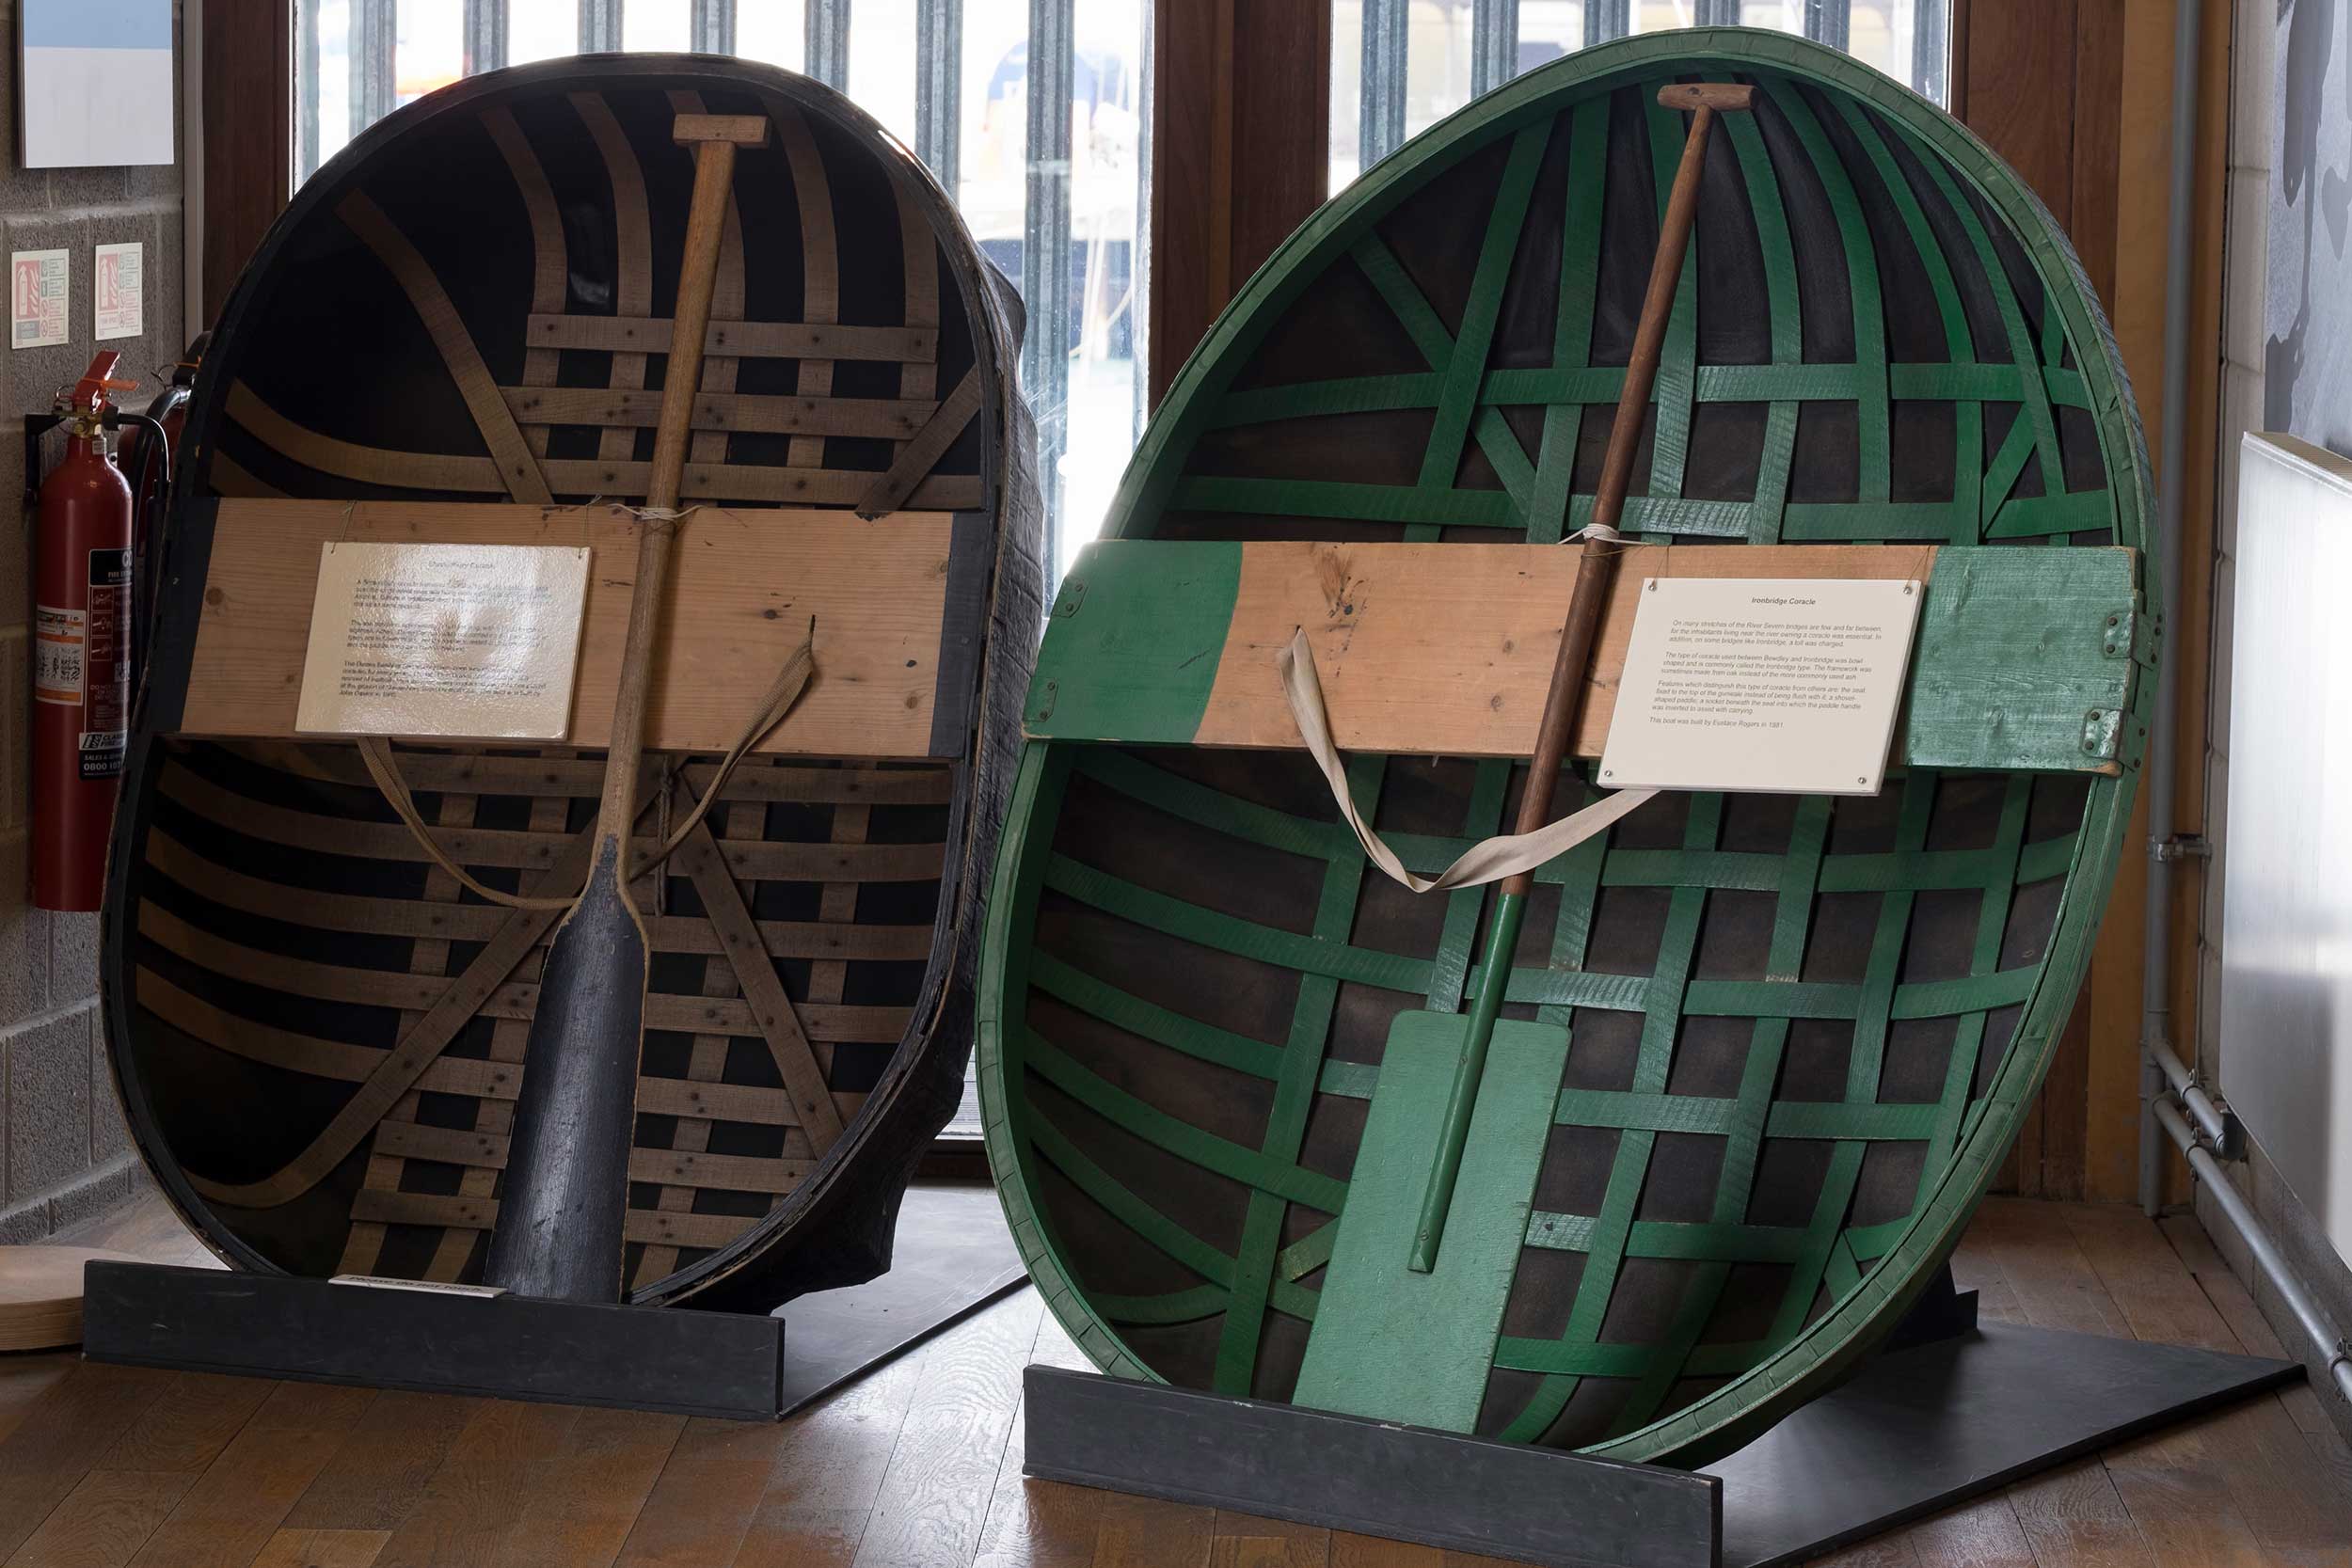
x=898, y=604
x=2025, y=659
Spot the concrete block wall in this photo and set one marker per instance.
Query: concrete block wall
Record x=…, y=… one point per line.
x=63, y=1153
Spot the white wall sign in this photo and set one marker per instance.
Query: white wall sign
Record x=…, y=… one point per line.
x=118, y=291
x=459, y=642
x=39, y=287
x=96, y=82
x=1761, y=683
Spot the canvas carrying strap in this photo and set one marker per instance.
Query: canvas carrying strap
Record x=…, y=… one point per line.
x=1488, y=861
x=377, y=752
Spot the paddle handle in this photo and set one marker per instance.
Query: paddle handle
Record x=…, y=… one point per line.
x=714, y=140
x=563, y=1207
x=1595, y=575
x=1597, y=571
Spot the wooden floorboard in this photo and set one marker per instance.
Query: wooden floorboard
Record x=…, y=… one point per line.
x=375, y=1481
x=918, y=1465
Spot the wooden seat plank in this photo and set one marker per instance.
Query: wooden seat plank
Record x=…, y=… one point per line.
x=890, y=670
x=1429, y=650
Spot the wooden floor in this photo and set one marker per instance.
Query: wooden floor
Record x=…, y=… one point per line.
x=920, y=1463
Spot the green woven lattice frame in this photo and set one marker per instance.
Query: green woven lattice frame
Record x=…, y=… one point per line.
x=1674, y=1388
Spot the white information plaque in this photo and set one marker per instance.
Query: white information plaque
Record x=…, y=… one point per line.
x=1772, y=684
x=40, y=288
x=447, y=642
x=118, y=284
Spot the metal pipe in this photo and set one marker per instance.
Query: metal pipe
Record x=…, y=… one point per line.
x=2214, y=1122
x=2267, y=1256
x=2164, y=740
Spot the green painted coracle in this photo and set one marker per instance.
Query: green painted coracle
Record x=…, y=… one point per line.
x=1800, y=1033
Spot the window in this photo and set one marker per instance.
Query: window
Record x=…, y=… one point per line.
x=1400, y=66
x=1031, y=112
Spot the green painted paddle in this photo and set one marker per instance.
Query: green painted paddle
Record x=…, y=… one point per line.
x=1596, y=574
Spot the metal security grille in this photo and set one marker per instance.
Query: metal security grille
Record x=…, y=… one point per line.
x=1059, y=265
x=1422, y=61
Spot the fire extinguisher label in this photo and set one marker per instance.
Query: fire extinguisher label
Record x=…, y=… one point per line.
x=59, y=640
x=106, y=705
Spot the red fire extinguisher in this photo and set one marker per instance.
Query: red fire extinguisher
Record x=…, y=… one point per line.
x=82, y=626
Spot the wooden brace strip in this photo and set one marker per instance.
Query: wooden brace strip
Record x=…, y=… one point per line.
x=467, y=1076
x=406, y=1063
x=738, y=1173
x=764, y=994
x=746, y=339
x=564, y=773
x=481, y=1213
x=518, y=469
x=608, y=476
x=519, y=998
x=881, y=418
x=426, y=919
x=914, y=464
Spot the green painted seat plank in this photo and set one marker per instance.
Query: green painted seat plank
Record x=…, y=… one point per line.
x=1124, y=676
x=2014, y=654
x=2024, y=656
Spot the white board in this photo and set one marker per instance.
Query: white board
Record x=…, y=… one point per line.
x=96, y=78
x=2286, y=943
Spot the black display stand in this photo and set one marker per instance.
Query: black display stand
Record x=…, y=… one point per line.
x=1950, y=1411
x=952, y=1256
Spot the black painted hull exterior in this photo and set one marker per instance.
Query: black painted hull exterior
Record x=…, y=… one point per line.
x=271, y=944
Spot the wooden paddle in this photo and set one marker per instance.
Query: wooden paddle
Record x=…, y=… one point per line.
x=1596, y=574
x=565, y=1196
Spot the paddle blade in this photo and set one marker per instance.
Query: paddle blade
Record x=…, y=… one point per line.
x=1399, y=1345
x=564, y=1197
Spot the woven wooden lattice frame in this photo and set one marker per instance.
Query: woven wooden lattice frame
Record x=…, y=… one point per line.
x=1803, y=1031
x=319, y=1036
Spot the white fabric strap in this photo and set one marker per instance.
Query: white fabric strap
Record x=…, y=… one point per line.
x=1489, y=861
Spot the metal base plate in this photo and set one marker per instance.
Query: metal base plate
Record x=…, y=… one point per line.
x=1916, y=1431
x=953, y=1256
x=512, y=1347
x=1923, y=1429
